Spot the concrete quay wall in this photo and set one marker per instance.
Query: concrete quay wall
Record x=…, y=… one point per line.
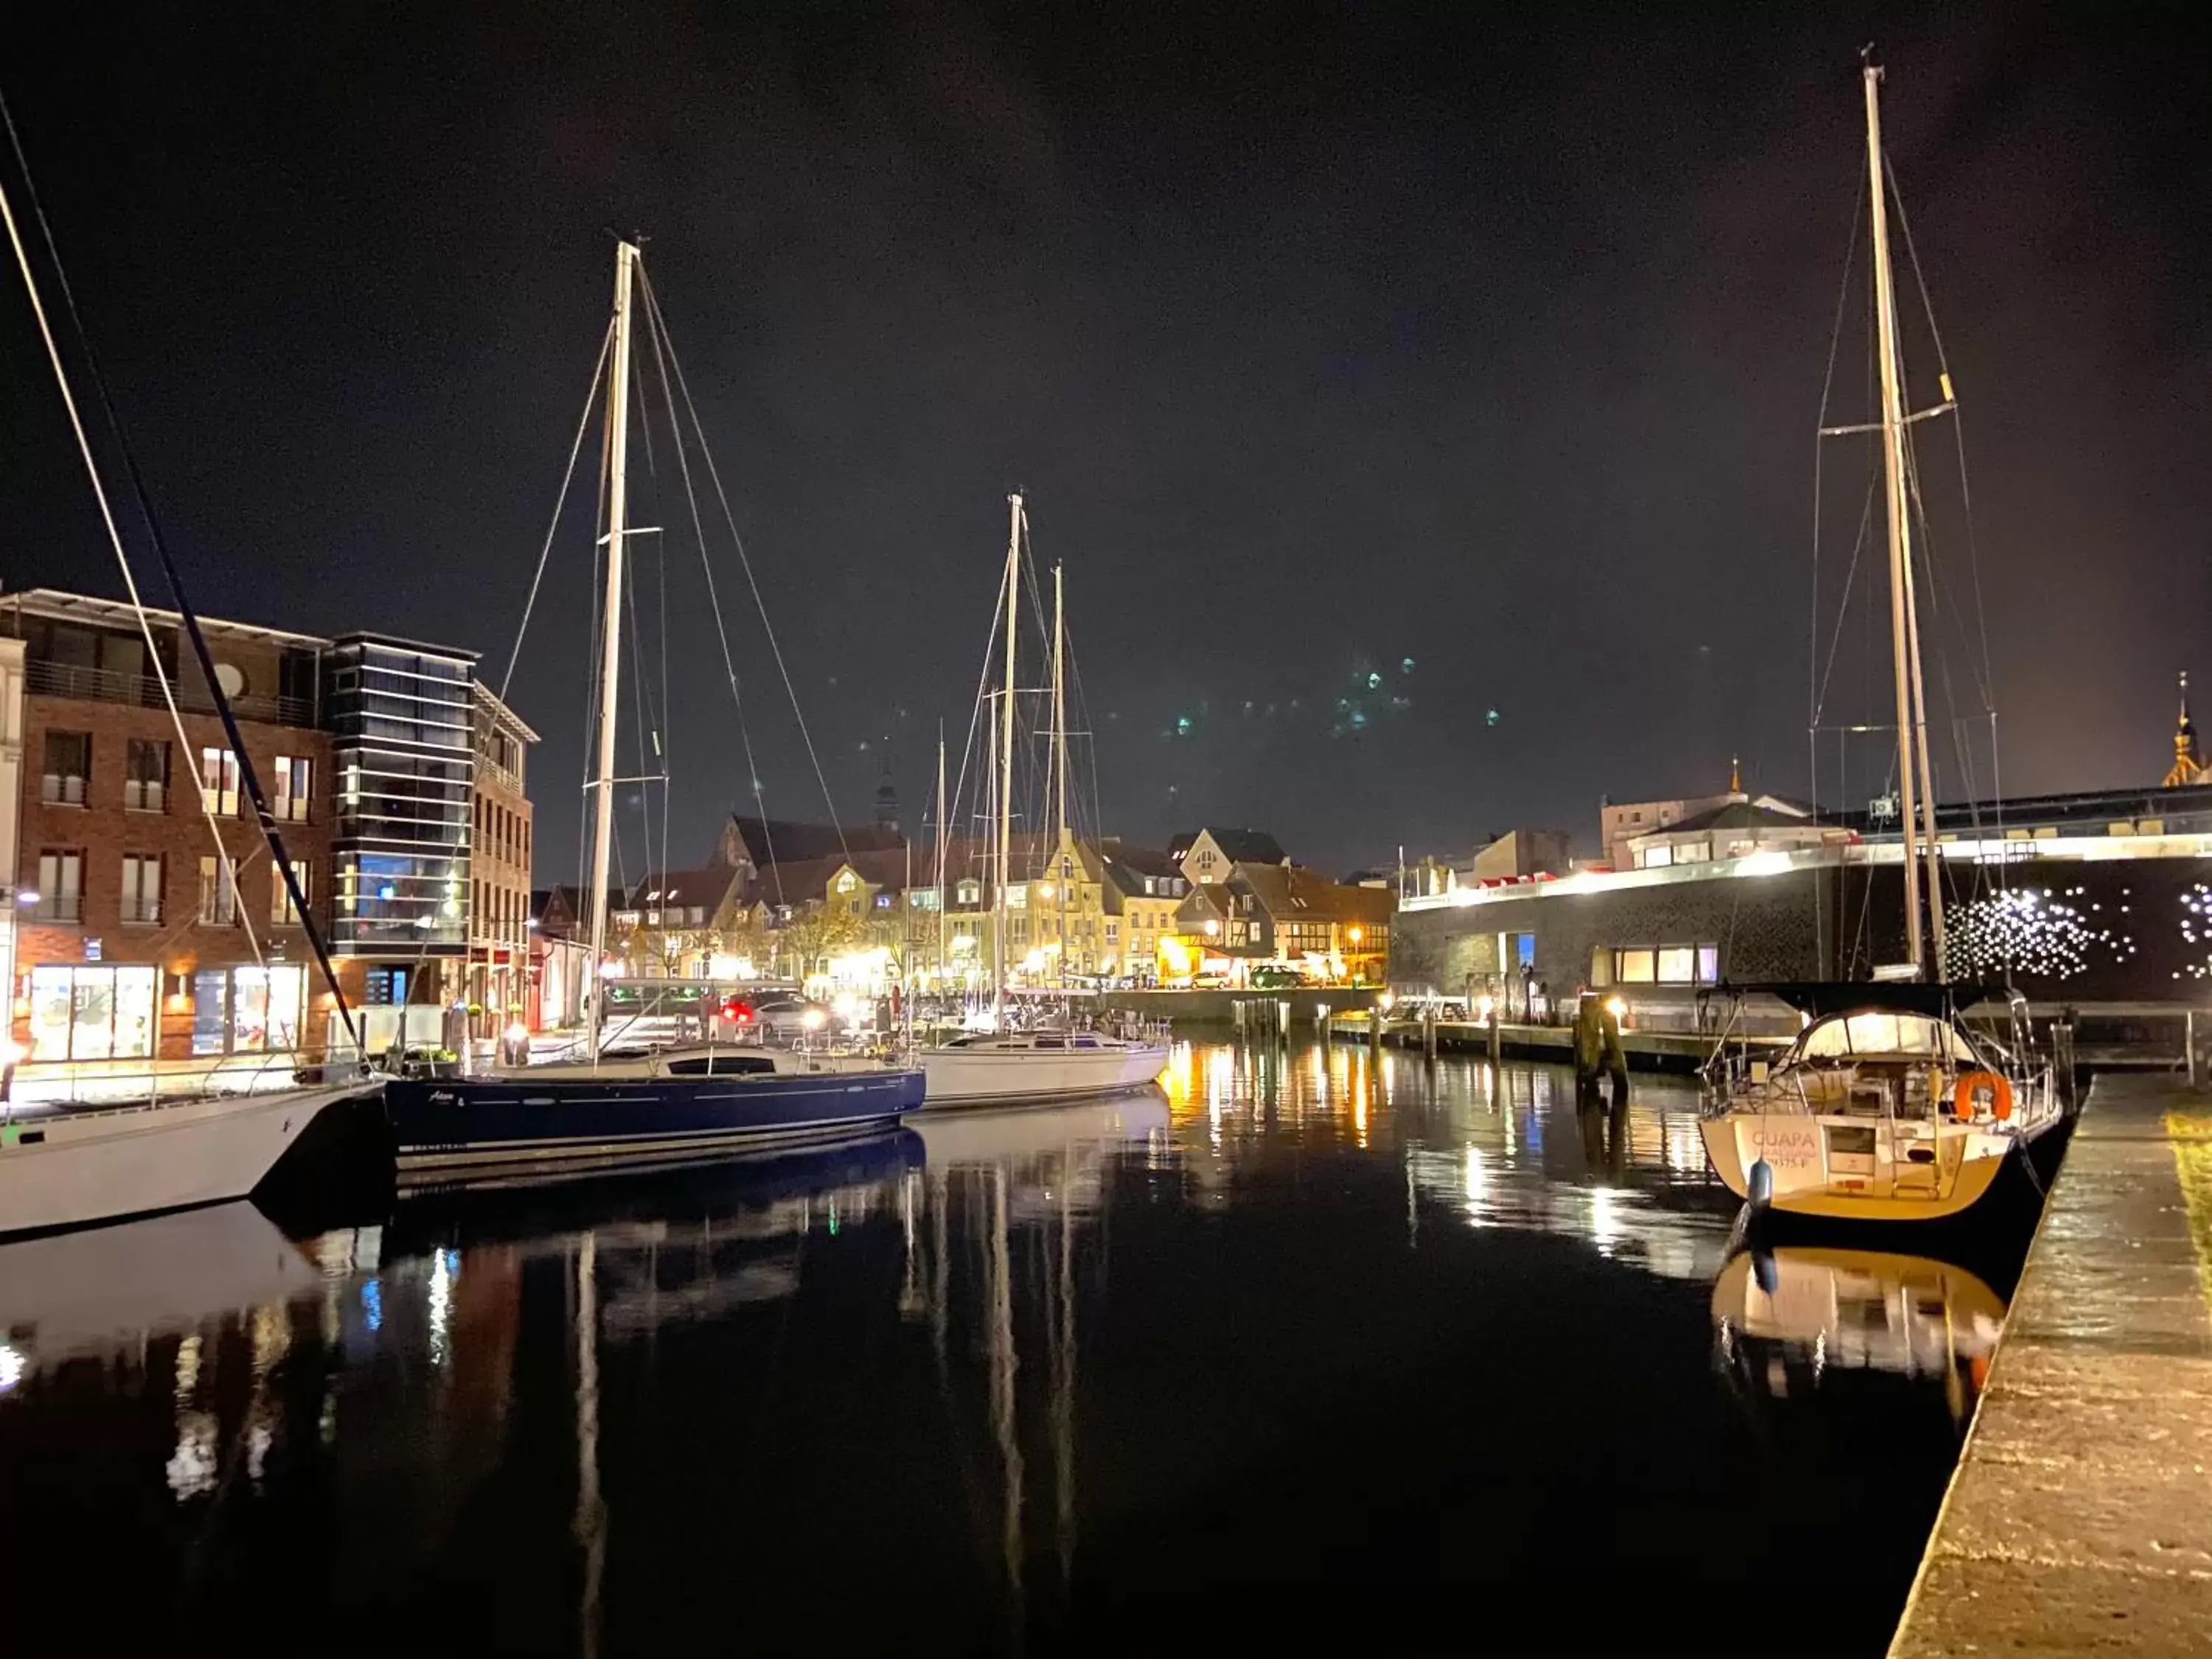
x=2080, y=1517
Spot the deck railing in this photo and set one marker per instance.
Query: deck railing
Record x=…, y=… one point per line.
x=54, y=679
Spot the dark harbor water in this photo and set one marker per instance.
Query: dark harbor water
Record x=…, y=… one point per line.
x=1317, y=1349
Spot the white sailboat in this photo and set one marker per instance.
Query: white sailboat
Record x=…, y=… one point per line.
x=65, y=1168
x=1885, y=1108
x=1002, y=1067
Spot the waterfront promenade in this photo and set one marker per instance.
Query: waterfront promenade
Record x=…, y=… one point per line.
x=2080, y=1517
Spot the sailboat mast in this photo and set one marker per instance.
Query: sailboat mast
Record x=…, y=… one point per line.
x=943, y=908
x=1892, y=461
x=1928, y=845
x=626, y=256
x=1060, y=764
x=1006, y=755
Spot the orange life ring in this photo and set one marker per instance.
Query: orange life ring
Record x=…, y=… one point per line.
x=1998, y=1084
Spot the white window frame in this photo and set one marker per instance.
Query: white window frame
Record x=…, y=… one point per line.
x=219, y=777
x=296, y=783
x=218, y=895
x=139, y=904
x=61, y=885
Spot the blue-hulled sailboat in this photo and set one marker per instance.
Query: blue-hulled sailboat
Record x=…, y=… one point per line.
x=679, y=1103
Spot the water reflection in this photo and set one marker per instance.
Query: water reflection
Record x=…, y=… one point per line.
x=991, y=1177
x=1482, y=1145
x=1013, y=1361
x=1785, y=1320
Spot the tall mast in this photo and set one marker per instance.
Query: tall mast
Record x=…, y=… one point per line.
x=1892, y=462
x=944, y=912
x=603, y=782
x=1060, y=765
x=1006, y=755
x=1929, y=847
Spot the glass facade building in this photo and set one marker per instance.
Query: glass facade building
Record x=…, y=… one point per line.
x=398, y=713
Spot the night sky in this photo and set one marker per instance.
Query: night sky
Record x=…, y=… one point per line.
x=1322, y=341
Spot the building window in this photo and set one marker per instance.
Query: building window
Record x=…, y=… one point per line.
x=1018, y=898
x=61, y=886
x=1677, y=964
x=68, y=763
x=145, y=775
x=219, y=781
x=281, y=910
x=92, y=1013
x=1709, y=964
x=141, y=887
x=847, y=881
x=247, y=1010
x=1634, y=967
x=1656, y=858
x=294, y=788
x=218, y=898
x=971, y=892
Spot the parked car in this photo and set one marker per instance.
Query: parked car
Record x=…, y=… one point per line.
x=787, y=1019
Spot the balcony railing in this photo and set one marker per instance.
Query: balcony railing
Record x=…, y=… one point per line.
x=54, y=679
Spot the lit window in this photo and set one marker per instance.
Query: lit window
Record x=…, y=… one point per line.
x=219, y=782
x=1709, y=964
x=218, y=899
x=1656, y=857
x=1677, y=963
x=1634, y=967
x=294, y=786
x=280, y=902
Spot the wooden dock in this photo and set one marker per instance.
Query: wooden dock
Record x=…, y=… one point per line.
x=2080, y=1517
x=1647, y=1051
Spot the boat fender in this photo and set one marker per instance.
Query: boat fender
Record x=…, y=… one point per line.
x=1972, y=1084
x=1764, y=1273
x=1761, y=1185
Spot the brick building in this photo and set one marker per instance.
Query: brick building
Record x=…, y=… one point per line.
x=131, y=937
x=497, y=978
x=134, y=939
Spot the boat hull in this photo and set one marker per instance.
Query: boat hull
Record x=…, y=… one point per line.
x=1006, y=1077
x=441, y=1126
x=75, y=1169
x=1808, y=1181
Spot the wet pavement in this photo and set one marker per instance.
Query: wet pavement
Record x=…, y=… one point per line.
x=1308, y=1349
x=2081, y=1519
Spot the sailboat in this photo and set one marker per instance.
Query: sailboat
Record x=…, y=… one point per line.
x=70, y=1168
x=1001, y=1066
x=1885, y=1108
x=679, y=1102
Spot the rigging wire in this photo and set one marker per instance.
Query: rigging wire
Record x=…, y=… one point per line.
x=560, y=503
x=744, y=561
x=641, y=711
x=229, y=866
x=660, y=354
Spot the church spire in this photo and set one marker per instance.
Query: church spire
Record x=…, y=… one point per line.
x=1736, y=776
x=2187, y=769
